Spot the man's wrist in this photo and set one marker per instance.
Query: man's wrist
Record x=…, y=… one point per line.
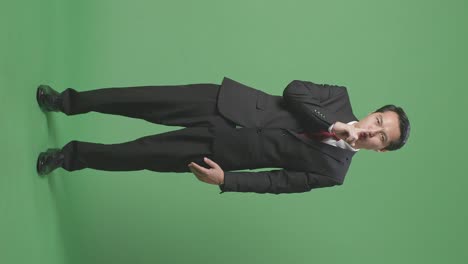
x=222, y=179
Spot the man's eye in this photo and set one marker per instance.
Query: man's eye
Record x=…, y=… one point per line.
x=378, y=121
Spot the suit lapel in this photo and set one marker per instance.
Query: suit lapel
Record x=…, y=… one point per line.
x=335, y=152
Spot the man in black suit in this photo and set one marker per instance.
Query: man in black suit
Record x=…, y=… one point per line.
x=310, y=133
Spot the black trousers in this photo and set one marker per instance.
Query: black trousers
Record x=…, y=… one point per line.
x=192, y=106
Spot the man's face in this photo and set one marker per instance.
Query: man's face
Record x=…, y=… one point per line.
x=387, y=126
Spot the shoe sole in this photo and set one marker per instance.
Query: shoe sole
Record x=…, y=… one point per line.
x=38, y=162
x=41, y=157
x=39, y=92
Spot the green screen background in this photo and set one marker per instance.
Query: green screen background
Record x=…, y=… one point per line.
x=407, y=206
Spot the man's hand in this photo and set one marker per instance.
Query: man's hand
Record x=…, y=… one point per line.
x=350, y=133
x=215, y=175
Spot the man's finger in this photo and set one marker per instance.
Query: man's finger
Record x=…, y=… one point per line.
x=192, y=169
x=202, y=172
x=201, y=177
x=211, y=163
x=195, y=171
x=199, y=168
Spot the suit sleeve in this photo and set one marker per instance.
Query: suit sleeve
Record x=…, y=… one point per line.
x=304, y=99
x=275, y=181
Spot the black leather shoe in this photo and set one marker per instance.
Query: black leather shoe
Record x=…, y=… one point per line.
x=49, y=161
x=48, y=99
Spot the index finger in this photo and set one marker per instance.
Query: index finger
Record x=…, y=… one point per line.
x=375, y=130
x=211, y=163
x=199, y=168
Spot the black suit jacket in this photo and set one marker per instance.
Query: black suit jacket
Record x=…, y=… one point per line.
x=267, y=137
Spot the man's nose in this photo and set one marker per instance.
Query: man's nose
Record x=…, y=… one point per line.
x=374, y=131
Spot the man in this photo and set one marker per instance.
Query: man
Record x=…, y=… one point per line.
x=234, y=127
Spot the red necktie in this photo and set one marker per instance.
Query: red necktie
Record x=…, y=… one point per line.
x=321, y=135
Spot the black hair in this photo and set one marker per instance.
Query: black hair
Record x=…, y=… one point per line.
x=404, y=126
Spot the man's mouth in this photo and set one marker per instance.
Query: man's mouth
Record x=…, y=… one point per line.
x=363, y=135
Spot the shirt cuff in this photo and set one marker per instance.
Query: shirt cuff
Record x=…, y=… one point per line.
x=330, y=128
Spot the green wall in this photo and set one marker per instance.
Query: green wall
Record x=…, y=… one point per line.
x=407, y=206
